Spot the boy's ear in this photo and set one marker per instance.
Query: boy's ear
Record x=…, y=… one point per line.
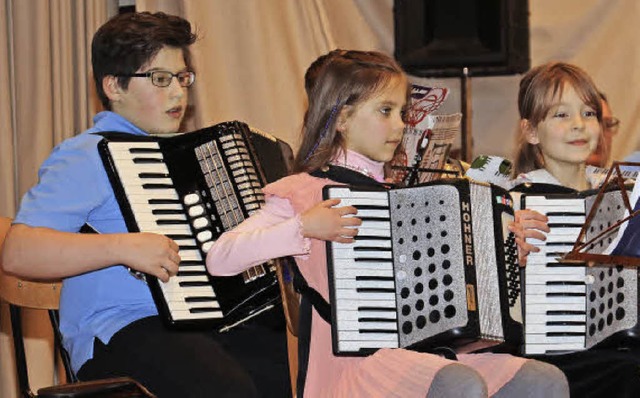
x=111, y=88
x=530, y=132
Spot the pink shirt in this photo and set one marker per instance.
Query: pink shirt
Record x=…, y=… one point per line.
x=275, y=229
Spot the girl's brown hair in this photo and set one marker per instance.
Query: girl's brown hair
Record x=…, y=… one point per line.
x=332, y=81
x=538, y=90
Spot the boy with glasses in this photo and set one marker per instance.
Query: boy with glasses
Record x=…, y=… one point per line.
x=109, y=321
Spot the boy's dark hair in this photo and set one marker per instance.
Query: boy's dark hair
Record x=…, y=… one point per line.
x=128, y=41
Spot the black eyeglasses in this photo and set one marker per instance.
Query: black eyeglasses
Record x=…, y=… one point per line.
x=611, y=123
x=162, y=78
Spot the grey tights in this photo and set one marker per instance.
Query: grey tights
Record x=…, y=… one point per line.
x=534, y=380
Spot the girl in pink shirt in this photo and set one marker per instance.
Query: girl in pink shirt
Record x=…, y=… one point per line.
x=352, y=128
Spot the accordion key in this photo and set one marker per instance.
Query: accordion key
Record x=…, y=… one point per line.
x=431, y=265
x=191, y=188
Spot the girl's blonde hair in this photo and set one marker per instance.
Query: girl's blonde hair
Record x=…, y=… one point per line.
x=539, y=88
x=332, y=81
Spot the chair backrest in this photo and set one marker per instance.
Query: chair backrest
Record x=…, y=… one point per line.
x=19, y=293
x=290, y=298
x=28, y=294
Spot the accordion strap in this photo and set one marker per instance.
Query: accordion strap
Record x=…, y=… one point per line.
x=347, y=176
x=315, y=299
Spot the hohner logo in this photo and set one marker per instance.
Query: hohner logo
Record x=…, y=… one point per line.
x=469, y=259
x=467, y=233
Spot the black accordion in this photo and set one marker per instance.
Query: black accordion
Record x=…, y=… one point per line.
x=567, y=305
x=431, y=265
x=191, y=188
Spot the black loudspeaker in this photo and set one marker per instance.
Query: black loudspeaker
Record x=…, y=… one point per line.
x=438, y=38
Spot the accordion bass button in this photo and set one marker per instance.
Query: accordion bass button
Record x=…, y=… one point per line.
x=200, y=222
x=196, y=211
x=206, y=246
x=191, y=199
x=204, y=236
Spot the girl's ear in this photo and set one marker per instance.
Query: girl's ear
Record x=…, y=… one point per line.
x=343, y=119
x=530, y=132
x=111, y=88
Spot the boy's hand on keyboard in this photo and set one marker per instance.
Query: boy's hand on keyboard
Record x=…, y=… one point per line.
x=150, y=253
x=326, y=222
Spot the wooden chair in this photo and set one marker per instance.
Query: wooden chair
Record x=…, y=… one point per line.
x=277, y=154
x=290, y=298
x=291, y=306
x=45, y=295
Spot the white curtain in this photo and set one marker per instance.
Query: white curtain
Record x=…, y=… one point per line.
x=253, y=53
x=46, y=95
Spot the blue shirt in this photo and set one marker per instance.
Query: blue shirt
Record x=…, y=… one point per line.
x=633, y=157
x=74, y=189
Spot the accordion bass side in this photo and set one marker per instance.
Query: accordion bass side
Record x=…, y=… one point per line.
x=569, y=305
x=191, y=188
x=431, y=265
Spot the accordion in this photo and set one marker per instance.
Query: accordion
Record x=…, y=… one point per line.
x=571, y=306
x=191, y=188
x=431, y=265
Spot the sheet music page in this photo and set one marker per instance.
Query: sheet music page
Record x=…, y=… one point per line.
x=444, y=131
x=419, y=126
x=599, y=174
x=416, y=138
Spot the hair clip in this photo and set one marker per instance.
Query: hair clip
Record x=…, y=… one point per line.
x=324, y=131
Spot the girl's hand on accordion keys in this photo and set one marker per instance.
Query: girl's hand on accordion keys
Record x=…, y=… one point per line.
x=528, y=224
x=150, y=253
x=326, y=222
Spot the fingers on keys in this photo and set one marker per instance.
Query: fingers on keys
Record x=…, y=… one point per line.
x=349, y=223
x=169, y=266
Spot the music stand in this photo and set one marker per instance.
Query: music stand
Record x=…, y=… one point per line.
x=577, y=254
x=413, y=173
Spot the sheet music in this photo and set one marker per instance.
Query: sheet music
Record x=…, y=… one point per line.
x=599, y=174
x=444, y=131
x=423, y=132
x=428, y=145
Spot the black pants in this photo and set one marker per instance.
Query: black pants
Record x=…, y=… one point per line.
x=247, y=361
x=600, y=373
